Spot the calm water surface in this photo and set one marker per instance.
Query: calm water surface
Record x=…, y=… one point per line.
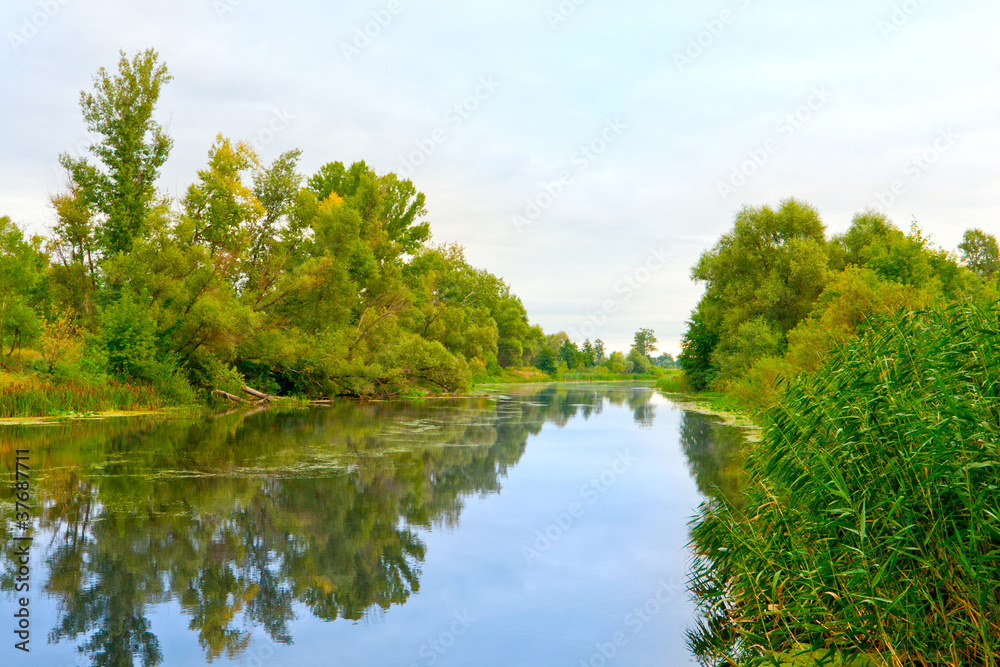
x=542, y=526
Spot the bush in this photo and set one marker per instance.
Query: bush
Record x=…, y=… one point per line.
x=128, y=335
x=873, y=506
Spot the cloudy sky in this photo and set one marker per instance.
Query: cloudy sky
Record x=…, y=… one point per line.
x=585, y=150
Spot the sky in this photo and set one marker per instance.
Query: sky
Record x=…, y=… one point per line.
x=586, y=151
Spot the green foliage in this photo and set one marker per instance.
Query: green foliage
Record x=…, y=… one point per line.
x=636, y=362
x=617, y=363
x=318, y=287
x=699, y=342
x=665, y=360
x=874, y=525
x=128, y=336
x=599, y=353
x=779, y=296
x=546, y=361
x=132, y=149
x=751, y=341
x=645, y=342
x=22, y=279
x=569, y=354
x=772, y=265
x=980, y=252
x=674, y=381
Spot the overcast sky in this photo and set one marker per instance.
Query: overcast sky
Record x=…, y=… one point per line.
x=587, y=151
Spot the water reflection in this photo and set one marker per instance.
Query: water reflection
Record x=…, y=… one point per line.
x=715, y=454
x=245, y=519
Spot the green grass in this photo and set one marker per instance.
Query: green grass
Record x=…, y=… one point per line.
x=872, y=511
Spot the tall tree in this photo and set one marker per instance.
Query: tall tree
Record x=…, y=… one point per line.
x=599, y=351
x=645, y=342
x=980, y=252
x=131, y=151
x=772, y=264
x=771, y=267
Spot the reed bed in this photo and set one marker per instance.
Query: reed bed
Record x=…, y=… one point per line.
x=870, y=529
x=27, y=398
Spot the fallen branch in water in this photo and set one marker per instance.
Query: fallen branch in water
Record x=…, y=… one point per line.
x=228, y=396
x=259, y=394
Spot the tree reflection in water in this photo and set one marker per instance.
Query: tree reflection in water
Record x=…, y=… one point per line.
x=240, y=518
x=715, y=456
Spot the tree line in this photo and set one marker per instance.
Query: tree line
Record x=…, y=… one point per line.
x=780, y=294
x=314, y=285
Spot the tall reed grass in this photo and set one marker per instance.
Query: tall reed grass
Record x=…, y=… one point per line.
x=30, y=397
x=871, y=523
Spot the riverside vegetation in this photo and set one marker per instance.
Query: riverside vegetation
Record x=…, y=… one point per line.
x=258, y=276
x=867, y=532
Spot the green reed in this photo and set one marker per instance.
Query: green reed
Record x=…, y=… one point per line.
x=27, y=398
x=870, y=530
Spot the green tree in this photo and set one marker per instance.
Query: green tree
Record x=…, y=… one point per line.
x=128, y=336
x=773, y=264
x=638, y=362
x=220, y=205
x=980, y=252
x=874, y=242
x=645, y=342
x=393, y=204
x=546, y=361
x=570, y=354
x=73, y=248
x=599, y=355
x=131, y=151
x=666, y=360
x=22, y=266
x=699, y=342
x=617, y=363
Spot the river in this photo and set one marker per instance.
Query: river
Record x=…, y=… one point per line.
x=543, y=525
